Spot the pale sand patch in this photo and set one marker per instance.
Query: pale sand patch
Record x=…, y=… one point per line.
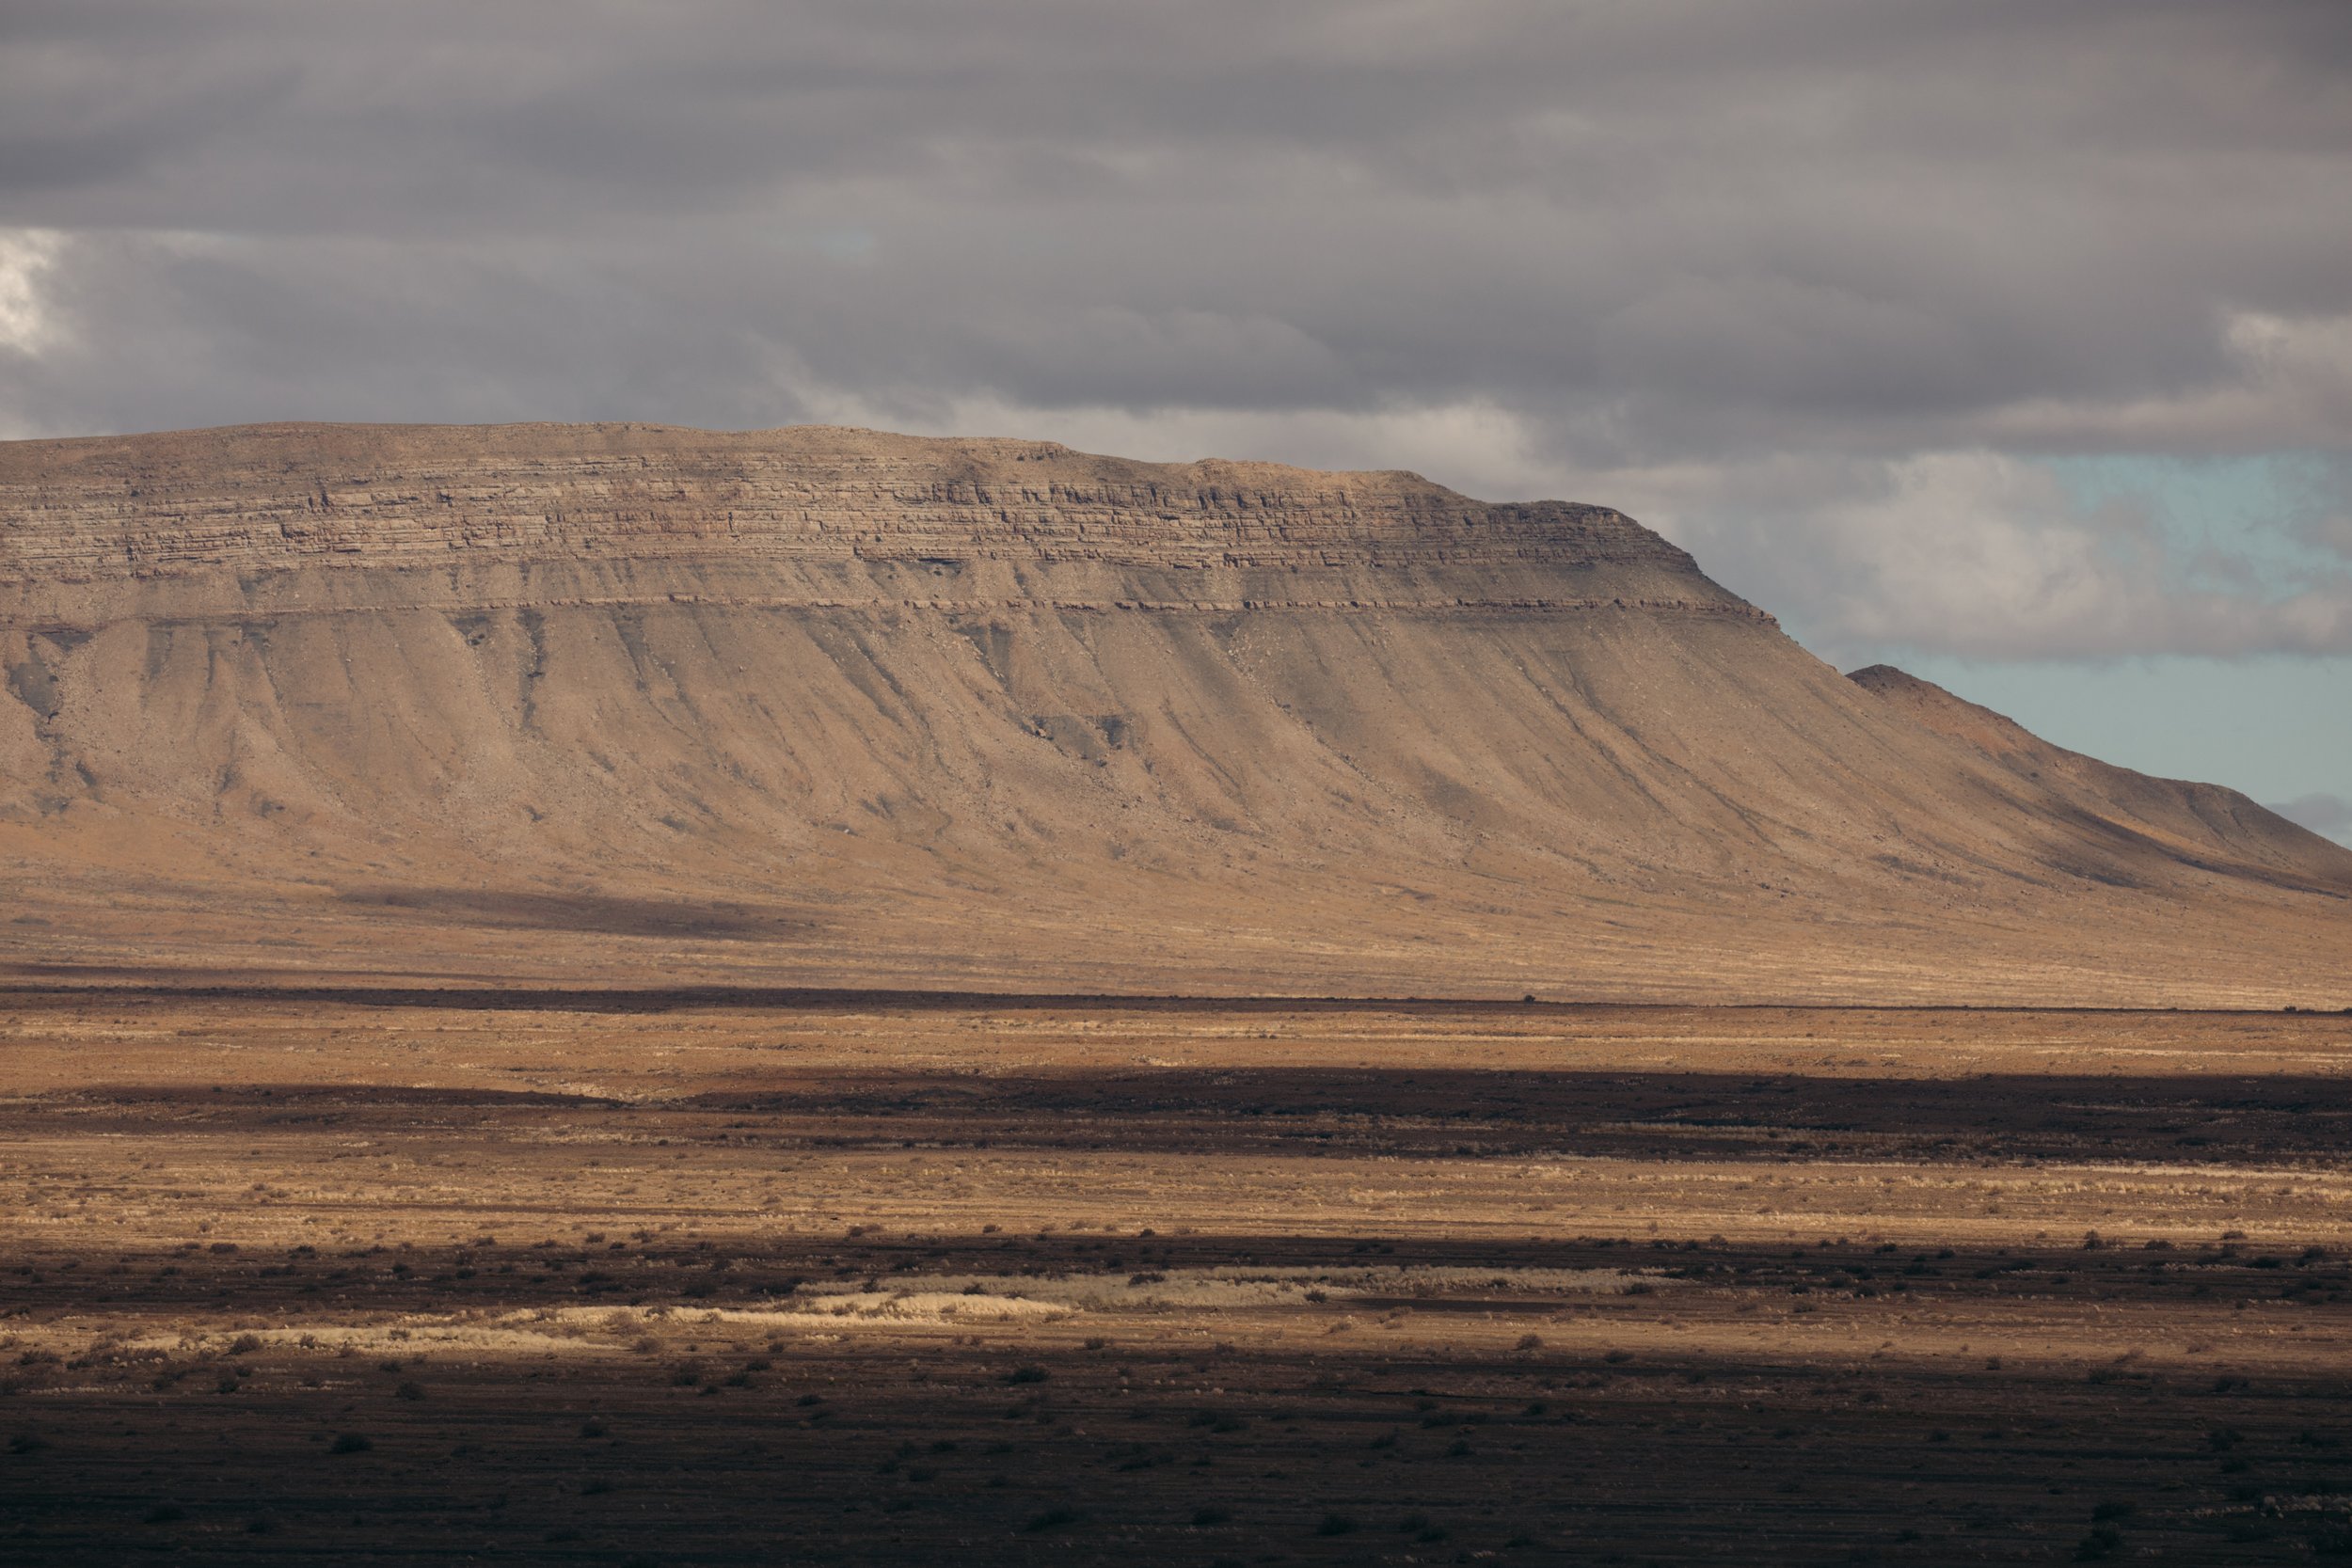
x=1002, y=1297
x=404, y=1338
x=912, y=1306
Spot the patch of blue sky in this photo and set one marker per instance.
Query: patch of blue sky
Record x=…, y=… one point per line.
x=2238, y=521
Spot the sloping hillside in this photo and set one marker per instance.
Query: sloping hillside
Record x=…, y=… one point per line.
x=2198, y=823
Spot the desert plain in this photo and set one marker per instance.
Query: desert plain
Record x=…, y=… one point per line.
x=435, y=1275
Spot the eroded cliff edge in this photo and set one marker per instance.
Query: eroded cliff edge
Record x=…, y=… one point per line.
x=296, y=516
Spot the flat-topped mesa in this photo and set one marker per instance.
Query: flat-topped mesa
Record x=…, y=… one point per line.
x=297, y=516
x=834, y=707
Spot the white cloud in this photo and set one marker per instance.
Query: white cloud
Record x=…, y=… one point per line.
x=2285, y=382
x=1990, y=555
x=27, y=322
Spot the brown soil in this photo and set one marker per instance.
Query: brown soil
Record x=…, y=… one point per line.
x=422, y=1277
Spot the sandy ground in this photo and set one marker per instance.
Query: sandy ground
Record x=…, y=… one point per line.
x=614, y=1279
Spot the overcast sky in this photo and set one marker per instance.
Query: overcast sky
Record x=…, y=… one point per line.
x=2006, y=340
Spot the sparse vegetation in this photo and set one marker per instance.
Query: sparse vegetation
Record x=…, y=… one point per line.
x=1429, y=1426
x=2103, y=1542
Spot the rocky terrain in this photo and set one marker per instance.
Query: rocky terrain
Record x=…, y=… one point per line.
x=822, y=707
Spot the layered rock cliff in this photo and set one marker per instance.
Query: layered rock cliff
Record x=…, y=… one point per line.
x=822, y=516
x=833, y=707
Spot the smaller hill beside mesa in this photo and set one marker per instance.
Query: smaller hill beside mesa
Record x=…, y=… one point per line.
x=643, y=705
x=2195, y=822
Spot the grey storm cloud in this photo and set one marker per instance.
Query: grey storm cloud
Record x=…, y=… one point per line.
x=1762, y=269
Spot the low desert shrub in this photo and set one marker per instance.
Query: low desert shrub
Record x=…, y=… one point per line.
x=2103, y=1542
